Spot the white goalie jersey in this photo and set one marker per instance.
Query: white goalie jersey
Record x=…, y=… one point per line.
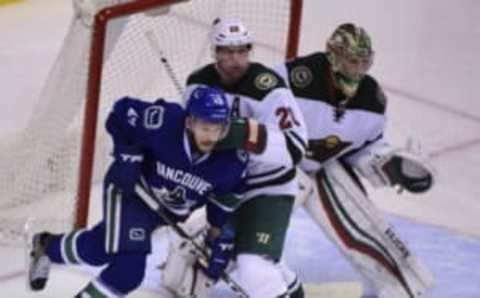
x=336, y=127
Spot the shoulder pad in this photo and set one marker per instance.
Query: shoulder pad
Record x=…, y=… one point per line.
x=206, y=75
x=370, y=96
x=309, y=77
x=260, y=81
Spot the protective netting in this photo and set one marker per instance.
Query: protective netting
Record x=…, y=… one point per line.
x=39, y=167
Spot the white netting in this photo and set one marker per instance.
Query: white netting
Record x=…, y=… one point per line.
x=39, y=167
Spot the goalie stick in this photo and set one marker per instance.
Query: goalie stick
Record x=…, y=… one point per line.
x=149, y=198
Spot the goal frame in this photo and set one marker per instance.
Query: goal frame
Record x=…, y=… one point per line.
x=97, y=49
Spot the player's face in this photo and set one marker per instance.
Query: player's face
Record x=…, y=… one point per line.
x=356, y=68
x=232, y=62
x=205, y=134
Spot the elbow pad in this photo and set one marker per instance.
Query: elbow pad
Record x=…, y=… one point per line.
x=245, y=134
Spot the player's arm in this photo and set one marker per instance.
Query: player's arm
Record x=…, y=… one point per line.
x=221, y=233
x=127, y=153
x=279, y=109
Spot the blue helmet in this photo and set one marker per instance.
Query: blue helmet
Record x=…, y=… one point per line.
x=208, y=104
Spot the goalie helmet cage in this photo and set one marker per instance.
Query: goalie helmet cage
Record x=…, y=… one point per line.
x=115, y=48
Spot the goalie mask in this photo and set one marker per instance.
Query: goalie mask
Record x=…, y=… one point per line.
x=229, y=32
x=350, y=53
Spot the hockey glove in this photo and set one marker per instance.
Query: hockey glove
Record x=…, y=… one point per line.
x=408, y=174
x=125, y=169
x=221, y=248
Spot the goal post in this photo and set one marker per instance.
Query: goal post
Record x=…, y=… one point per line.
x=47, y=170
x=101, y=20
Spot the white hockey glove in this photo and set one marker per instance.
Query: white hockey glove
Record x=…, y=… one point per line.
x=404, y=168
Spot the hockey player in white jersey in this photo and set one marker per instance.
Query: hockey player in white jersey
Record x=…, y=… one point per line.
x=344, y=109
x=255, y=91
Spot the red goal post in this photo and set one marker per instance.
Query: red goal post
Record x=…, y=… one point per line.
x=101, y=20
x=48, y=169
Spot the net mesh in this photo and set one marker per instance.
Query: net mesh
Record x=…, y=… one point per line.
x=39, y=167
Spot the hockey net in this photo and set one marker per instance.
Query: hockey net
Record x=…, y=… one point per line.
x=114, y=48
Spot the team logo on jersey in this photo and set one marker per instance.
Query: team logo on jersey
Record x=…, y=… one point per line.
x=301, y=76
x=265, y=81
x=326, y=148
x=153, y=118
x=136, y=234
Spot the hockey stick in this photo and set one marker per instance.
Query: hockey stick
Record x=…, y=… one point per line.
x=145, y=193
x=152, y=39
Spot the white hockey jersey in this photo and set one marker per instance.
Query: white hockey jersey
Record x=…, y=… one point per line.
x=263, y=95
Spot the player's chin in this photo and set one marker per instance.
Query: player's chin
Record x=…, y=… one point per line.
x=237, y=72
x=206, y=147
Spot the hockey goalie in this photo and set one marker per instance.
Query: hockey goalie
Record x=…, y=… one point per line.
x=344, y=109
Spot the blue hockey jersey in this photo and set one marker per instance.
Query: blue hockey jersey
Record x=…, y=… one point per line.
x=153, y=136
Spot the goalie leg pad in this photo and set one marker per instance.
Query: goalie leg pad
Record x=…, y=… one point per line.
x=353, y=223
x=180, y=275
x=305, y=188
x=194, y=283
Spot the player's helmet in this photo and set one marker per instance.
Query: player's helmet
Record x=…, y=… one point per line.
x=347, y=43
x=229, y=32
x=209, y=104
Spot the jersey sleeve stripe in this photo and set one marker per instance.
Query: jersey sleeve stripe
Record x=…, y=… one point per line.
x=284, y=178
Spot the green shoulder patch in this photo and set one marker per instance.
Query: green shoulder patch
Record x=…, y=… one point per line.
x=266, y=81
x=301, y=76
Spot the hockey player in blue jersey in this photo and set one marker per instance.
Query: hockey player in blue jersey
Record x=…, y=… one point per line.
x=163, y=159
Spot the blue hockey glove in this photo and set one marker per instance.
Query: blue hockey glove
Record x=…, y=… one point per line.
x=221, y=250
x=126, y=168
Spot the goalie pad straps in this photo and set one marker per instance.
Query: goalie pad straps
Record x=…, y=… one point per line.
x=354, y=224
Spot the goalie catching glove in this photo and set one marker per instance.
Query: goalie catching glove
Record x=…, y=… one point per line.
x=383, y=165
x=408, y=174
